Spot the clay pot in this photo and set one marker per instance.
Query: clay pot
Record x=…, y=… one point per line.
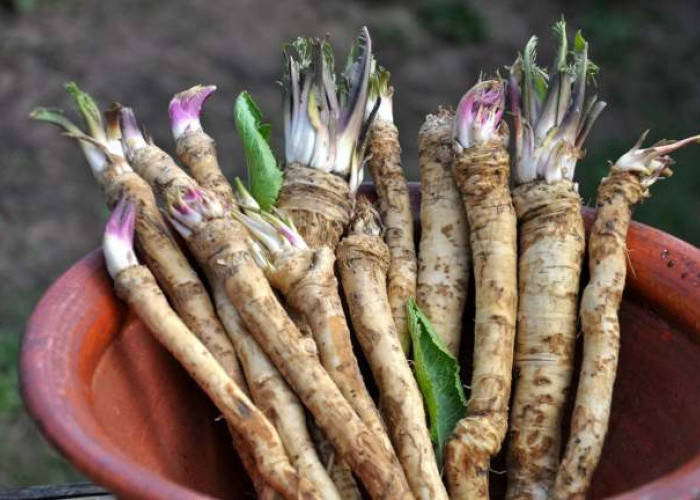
x=107, y=395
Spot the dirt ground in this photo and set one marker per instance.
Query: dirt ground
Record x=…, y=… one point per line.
x=141, y=52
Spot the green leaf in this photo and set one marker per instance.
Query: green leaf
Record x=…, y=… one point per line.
x=437, y=373
x=264, y=176
x=559, y=30
x=579, y=42
x=89, y=110
x=55, y=117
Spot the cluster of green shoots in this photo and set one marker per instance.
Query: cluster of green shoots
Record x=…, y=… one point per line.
x=101, y=143
x=380, y=103
x=551, y=114
x=324, y=113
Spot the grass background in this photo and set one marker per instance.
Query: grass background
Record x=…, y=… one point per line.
x=141, y=52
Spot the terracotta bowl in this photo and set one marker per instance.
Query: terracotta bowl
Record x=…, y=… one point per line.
x=123, y=412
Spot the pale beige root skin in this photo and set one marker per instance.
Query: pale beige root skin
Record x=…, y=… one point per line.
x=318, y=202
x=179, y=281
x=308, y=283
x=600, y=303
x=172, y=270
x=262, y=489
x=197, y=151
x=337, y=468
x=363, y=262
x=482, y=174
x=158, y=168
x=269, y=391
x=443, y=256
x=220, y=245
x=137, y=286
x=274, y=397
x=384, y=153
x=551, y=247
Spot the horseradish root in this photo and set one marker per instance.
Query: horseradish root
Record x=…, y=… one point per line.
x=268, y=389
x=443, y=254
x=482, y=173
x=384, y=163
x=363, y=258
x=628, y=184
x=220, y=245
x=137, y=287
x=550, y=127
x=306, y=279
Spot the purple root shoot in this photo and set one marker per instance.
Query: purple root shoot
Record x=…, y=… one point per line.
x=479, y=114
x=186, y=107
x=118, y=240
x=132, y=137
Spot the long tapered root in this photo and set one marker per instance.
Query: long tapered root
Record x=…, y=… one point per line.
x=363, y=261
x=171, y=268
x=318, y=202
x=551, y=246
x=482, y=175
x=308, y=282
x=269, y=391
x=443, y=257
x=220, y=245
x=274, y=397
x=384, y=153
x=599, y=305
x=137, y=286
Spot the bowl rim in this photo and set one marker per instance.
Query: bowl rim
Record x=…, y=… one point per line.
x=66, y=433
x=117, y=472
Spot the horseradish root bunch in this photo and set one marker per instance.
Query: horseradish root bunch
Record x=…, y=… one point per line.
x=273, y=296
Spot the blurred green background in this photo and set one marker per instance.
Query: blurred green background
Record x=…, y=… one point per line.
x=141, y=52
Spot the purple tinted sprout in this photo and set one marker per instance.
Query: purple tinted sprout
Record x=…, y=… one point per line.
x=190, y=208
x=132, y=137
x=653, y=162
x=286, y=231
x=186, y=107
x=118, y=240
x=479, y=113
x=284, y=218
